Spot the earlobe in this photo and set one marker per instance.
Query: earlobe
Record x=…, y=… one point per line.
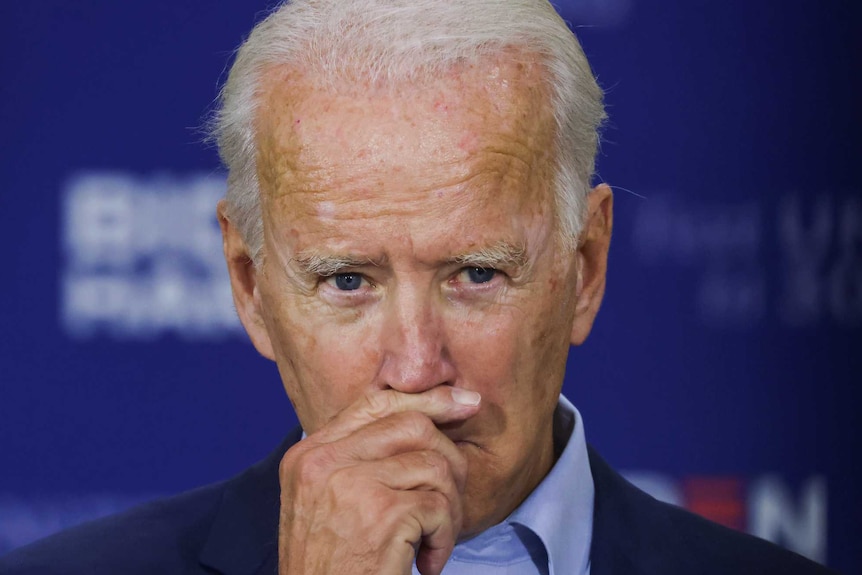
x=592, y=261
x=244, y=283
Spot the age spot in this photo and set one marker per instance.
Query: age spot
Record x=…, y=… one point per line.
x=468, y=142
x=325, y=210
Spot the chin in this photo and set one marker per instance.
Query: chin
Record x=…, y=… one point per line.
x=481, y=499
x=473, y=526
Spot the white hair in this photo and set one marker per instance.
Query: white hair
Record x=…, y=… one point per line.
x=398, y=40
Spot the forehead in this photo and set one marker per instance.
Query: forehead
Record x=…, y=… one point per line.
x=482, y=129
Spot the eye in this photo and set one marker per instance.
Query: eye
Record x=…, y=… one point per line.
x=479, y=275
x=346, y=281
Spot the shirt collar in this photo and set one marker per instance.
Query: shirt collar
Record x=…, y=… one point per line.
x=560, y=510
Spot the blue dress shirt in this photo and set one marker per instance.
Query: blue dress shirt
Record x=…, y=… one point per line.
x=551, y=531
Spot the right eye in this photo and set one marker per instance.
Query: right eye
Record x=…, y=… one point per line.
x=345, y=281
x=478, y=275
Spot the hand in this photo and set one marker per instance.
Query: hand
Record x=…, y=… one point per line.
x=377, y=485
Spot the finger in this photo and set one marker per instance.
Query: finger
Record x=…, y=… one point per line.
x=416, y=470
x=426, y=520
x=401, y=433
x=441, y=404
x=430, y=560
x=438, y=539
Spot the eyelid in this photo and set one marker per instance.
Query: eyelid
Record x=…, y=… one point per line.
x=342, y=273
x=509, y=268
x=334, y=271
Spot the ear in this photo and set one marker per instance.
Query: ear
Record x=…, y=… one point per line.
x=592, y=261
x=243, y=283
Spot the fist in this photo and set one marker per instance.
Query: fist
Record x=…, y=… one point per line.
x=376, y=487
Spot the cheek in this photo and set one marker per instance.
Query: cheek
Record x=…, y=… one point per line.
x=515, y=358
x=485, y=351
x=324, y=366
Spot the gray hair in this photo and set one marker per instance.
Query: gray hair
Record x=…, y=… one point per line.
x=396, y=40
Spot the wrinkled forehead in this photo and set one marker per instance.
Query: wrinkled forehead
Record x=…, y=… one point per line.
x=316, y=131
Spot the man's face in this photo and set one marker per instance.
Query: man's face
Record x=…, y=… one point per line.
x=411, y=242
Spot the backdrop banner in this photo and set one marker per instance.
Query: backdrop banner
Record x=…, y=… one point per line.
x=724, y=369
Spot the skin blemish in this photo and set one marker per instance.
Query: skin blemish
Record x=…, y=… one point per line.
x=468, y=141
x=325, y=210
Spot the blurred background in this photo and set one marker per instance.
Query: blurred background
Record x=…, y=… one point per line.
x=723, y=372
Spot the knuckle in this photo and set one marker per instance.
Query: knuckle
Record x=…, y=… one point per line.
x=379, y=502
x=440, y=467
x=306, y=467
x=341, y=487
x=417, y=425
x=288, y=462
x=437, y=502
x=459, y=463
x=378, y=404
x=339, y=479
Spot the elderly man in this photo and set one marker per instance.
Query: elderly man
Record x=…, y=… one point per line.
x=412, y=238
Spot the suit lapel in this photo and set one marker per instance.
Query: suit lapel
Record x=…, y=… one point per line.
x=243, y=539
x=626, y=533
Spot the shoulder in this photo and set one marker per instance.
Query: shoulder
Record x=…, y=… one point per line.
x=232, y=523
x=162, y=536
x=713, y=548
x=635, y=533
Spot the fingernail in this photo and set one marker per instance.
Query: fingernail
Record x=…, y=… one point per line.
x=465, y=396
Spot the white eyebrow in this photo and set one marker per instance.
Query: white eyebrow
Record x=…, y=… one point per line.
x=328, y=265
x=500, y=255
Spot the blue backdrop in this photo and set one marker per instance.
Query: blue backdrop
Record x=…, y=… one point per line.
x=724, y=367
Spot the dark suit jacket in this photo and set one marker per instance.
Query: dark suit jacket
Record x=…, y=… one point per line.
x=230, y=528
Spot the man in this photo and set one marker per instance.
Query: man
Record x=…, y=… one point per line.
x=412, y=238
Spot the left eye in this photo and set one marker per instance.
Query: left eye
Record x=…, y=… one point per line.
x=346, y=282
x=479, y=275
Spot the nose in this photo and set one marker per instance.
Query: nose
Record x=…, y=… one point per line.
x=415, y=355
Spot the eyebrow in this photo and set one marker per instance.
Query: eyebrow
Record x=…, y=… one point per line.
x=500, y=255
x=328, y=265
